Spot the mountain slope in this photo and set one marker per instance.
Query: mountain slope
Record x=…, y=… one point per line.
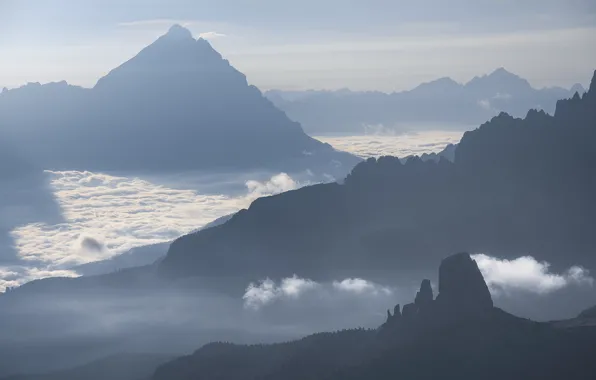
x=442, y=103
x=458, y=335
x=517, y=186
x=176, y=105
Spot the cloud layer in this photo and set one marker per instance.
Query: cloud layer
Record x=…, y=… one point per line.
x=293, y=288
x=402, y=145
x=527, y=274
x=107, y=215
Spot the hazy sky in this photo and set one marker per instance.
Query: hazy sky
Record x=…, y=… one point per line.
x=370, y=44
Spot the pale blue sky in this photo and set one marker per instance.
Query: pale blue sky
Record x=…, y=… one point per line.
x=365, y=45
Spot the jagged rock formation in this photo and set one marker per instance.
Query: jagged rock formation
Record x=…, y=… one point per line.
x=463, y=294
x=424, y=297
x=177, y=105
x=461, y=285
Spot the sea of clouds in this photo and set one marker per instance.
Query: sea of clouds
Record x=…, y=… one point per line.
x=389, y=144
x=106, y=215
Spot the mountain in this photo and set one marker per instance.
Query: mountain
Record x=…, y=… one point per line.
x=442, y=103
x=458, y=335
x=517, y=186
x=448, y=153
x=176, y=105
x=117, y=367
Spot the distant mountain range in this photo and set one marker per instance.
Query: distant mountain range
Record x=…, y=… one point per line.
x=441, y=103
x=177, y=105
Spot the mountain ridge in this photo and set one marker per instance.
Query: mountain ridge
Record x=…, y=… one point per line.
x=442, y=102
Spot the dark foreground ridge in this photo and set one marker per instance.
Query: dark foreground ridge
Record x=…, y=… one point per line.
x=458, y=335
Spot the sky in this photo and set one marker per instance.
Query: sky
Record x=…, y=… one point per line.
x=385, y=45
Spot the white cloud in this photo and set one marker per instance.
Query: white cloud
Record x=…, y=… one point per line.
x=211, y=35
x=399, y=145
x=360, y=286
x=277, y=184
x=293, y=288
x=258, y=295
x=528, y=275
x=267, y=291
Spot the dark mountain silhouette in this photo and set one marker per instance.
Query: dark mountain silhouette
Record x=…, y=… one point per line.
x=458, y=335
x=176, y=105
x=116, y=367
x=517, y=186
x=442, y=101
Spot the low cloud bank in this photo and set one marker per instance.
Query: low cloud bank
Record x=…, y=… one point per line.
x=107, y=215
x=277, y=184
x=527, y=274
x=399, y=145
x=266, y=292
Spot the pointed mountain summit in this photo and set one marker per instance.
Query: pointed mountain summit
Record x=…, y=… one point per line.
x=178, y=31
x=174, y=59
x=176, y=105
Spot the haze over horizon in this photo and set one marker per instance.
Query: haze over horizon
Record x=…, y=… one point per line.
x=398, y=47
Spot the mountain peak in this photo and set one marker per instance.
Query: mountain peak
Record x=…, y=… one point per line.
x=501, y=71
x=179, y=32
x=593, y=83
